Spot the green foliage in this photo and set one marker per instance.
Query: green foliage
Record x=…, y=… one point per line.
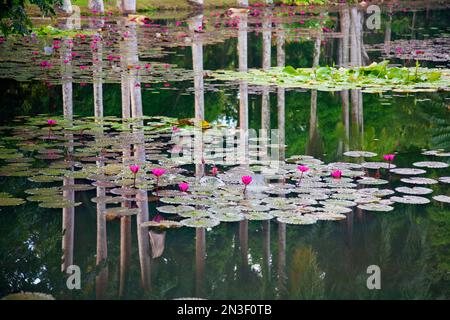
x=376, y=77
x=14, y=18
x=50, y=31
x=303, y=2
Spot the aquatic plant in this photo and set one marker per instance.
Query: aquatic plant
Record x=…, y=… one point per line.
x=389, y=158
x=377, y=77
x=246, y=180
x=134, y=169
x=302, y=170
x=184, y=186
x=336, y=174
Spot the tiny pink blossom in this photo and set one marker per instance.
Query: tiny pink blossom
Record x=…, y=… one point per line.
x=214, y=171
x=246, y=180
x=184, y=186
x=302, y=168
x=336, y=174
x=134, y=169
x=51, y=122
x=158, y=172
x=389, y=157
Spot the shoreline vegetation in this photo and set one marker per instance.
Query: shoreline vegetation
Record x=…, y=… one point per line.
x=146, y=6
x=17, y=17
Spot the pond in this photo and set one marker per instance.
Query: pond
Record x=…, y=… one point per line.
x=242, y=189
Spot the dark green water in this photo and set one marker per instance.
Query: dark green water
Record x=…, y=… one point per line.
x=254, y=259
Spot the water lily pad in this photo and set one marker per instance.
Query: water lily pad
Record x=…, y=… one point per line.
x=378, y=165
x=257, y=215
x=336, y=209
x=375, y=207
x=326, y=216
x=108, y=199
x=339, y=203
x=297, y=220
x=431, y=164
x=174, y=209
x=78, y=187
x=377, y=192
x=442, y=198
x=45, y=179
x=194, y=213
x=44, y=191
x=360, y=154
x=372, y=181
x=414, y=190
x=444, y=179
x=228, y=216
x=202, y=222
x=282, y=213
x=59, y=204
x=417, y=180
x=407, y=171
x=410, y=199
x=9, y=202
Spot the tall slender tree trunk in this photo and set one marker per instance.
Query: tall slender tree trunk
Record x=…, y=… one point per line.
x=282, y=260
x=200, y=255
x=128, y=6
x=199, y=100
x=243, y=90
x=96, y=5
x=281, y=61
x=265, y=99
x=67, y=6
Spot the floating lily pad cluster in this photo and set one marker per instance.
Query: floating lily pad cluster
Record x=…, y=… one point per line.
x=377, y=77
x=94, y=155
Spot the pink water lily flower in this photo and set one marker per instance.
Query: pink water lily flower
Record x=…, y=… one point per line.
x=158, y=172
x=246, y=180
x=389, y=158
x=336, y=174
x=214, y=171
x=184, y=186
x=134, y=169
x=302, y=168
x=51, y=122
